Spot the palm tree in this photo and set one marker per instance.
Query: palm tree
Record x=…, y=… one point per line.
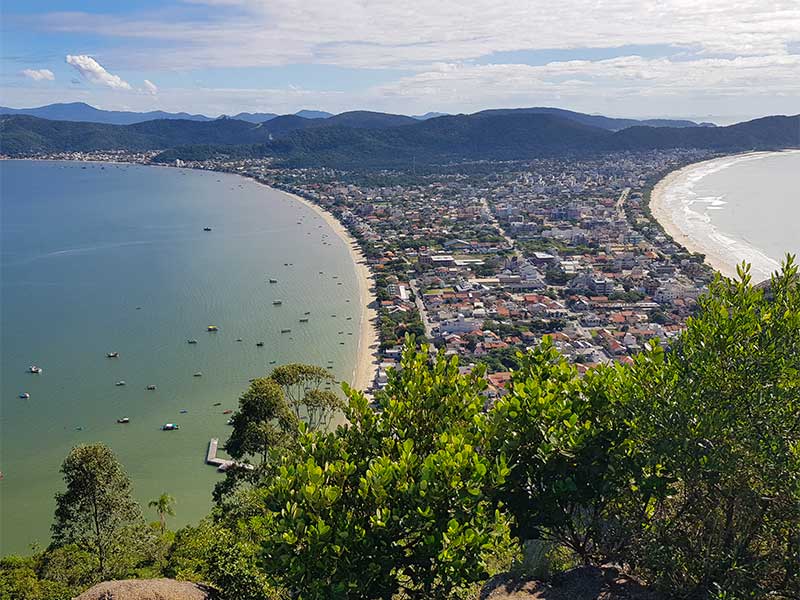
x=163, y=505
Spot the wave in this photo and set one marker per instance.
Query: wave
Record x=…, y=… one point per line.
x=689, y=213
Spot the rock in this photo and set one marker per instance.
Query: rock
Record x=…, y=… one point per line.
x=148, y=589
x=580, y=583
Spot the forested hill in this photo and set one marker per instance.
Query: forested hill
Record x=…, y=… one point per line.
x=375, y=139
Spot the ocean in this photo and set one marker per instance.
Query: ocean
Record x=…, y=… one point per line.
x=738, y=208
x=100, y=258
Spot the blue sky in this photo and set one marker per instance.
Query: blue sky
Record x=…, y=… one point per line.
x=690, y=58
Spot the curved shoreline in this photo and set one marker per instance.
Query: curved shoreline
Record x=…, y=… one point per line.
x=366, y=367
x=722, y=252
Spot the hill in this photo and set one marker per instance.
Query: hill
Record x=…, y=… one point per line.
x=80, y=111
x=378, y=139
x=610, y=123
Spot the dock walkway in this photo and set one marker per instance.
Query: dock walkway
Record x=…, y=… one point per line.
x=222, y=464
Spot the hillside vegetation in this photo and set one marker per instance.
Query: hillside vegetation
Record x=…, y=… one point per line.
x=682, y=468
x=380, y=140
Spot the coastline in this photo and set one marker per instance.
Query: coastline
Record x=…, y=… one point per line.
x=367, y=360
x=717, y=247
x=366, y=366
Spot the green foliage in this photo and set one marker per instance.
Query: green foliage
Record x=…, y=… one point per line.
x=164, y=506
x=263, y=421
x=57, y=574
x=721, y=416
x=392, y=501
x=97, y=512
x=567, y=446
x=211, y=554
x=301, y=385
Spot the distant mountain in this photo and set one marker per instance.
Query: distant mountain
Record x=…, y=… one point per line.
x=365, y=119
x=313, y=114
x=80, y=111
x=357, y=119
x=489, y=135
x=254, y=117
x=609, y=123
x=429, y=115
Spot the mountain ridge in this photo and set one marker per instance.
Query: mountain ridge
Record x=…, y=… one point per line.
x=294, y=140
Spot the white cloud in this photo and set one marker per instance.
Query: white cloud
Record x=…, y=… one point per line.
x=406, y=34
x=150, y=87
x=38, y=74
x=94, y=72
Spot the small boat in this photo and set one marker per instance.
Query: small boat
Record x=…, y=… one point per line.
x=191, y=341
x=229, y=422
x=212, y=328
x=227, y=411
x=198, y=374
x=184, y=411
x=123, y=420
x=206, y=228
x=112, y=355
x=34, y=369
x=272, y=362
x=24, y=395
x=259, y=344
x=340, y=283
x=277, y=302
x=304, y=320
x=217, y=404
x=238, y=339
x=151, y=387
x=349, y=318
x=330, y=366
x=308, y=312
x=286, y=330
x=341, y=343
x=120, y=383
x=169, y=427
x=273, y=281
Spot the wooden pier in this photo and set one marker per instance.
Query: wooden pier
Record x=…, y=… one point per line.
x=221, y=463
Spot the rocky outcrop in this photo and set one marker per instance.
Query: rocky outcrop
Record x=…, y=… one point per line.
x=148, y=589
x=581, y=583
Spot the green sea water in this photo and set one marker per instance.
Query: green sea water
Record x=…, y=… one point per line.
x=113, y=258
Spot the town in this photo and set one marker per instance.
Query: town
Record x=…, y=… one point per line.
x=484, y=259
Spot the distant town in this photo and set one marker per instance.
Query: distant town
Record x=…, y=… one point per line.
x=483, y=259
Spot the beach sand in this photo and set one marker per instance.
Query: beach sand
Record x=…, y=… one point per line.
x=664, y=212
x=368, y=341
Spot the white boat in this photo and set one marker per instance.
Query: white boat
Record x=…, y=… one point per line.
x=34, y=369
x=120, y=383
x=169, y=427
x=24, y=395
x=123, y=420
x=112, y=354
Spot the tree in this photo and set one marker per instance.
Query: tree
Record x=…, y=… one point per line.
x=96, y=511
x=721, y=418
x=264, y=421
x=302, y=388
x=164, y=506
x=394, y=500
x=568, y=448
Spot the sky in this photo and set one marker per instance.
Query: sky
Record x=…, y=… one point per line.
x=722, y=60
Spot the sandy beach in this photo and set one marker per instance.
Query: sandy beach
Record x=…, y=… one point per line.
x=368, y=342
x=667, y=207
